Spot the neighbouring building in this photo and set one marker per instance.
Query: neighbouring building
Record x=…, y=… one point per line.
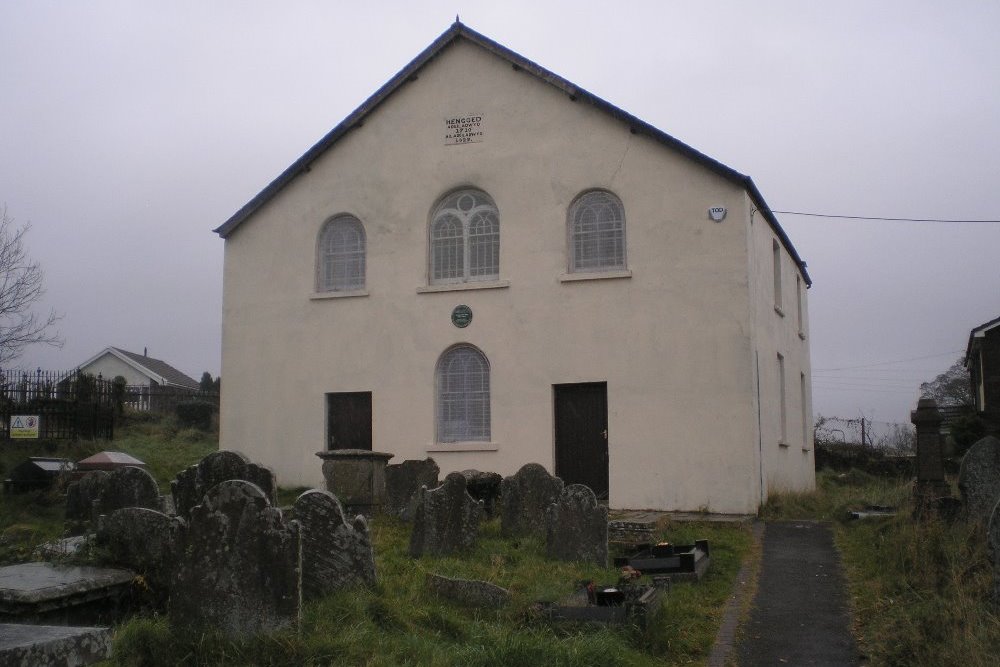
x=137, y=369
x=982, y=359
x=490, y=266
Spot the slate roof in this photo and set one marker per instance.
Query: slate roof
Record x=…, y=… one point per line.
x=156, y=369
x=978, y=332
x=457, y=31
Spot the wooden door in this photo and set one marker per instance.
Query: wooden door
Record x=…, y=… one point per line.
x=581, y=434
x=349, y=420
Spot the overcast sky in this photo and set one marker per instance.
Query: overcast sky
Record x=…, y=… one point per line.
x=129, y=130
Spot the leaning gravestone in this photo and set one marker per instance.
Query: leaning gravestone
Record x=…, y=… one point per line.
x=524, y=498
x=979, y=478
x=81, y=495
x=144, y=540
x=446, y=519
x=128, y=487
x=335, y=554
x=993, y=547
x=403, y=480
x=484, y=486
x=577, y=527
x=190, y=485
x=240, y=572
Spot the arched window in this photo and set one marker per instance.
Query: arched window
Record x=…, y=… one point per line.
x=596, y=232
x=465, y=238
x=341, y=255
x=463, y=395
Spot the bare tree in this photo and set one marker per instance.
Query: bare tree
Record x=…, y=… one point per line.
x=951, y=388
x=20, y=288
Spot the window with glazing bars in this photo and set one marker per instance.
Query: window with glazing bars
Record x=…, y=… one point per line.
x=465, y=238
x=341, y=255
x=463, y=395
x=597, y=232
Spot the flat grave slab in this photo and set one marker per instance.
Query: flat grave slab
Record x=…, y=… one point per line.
x=607, y=605
x=35, y=589
x=31, y=645
x=676, y=562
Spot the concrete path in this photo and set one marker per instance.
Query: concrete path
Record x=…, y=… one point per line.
x=800, y=613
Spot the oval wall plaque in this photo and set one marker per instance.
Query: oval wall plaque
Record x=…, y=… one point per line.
x=461, y=316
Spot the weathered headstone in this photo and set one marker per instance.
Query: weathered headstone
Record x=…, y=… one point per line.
x=446, y=519
x=577, y=527
x=979, y=478
x=524, y=498
x=993, y=547
x=469, y=591
x=81, y=495
x=335, y=553
x=403, y=480
x=128, y=487
x=484, y=486
x=240, y=572
x=144, y=540
x=191, y=485
x=930, y=485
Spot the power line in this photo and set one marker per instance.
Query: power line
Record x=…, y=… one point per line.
x=867, y=217
x=886, y=363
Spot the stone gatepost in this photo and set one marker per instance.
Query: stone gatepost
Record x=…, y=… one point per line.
x=357, y=478
x=930, y=485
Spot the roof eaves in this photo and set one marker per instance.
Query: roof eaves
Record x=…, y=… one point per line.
x=979, y=332
x=575, y=93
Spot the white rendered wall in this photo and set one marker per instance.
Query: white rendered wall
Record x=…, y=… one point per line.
x=673, y=342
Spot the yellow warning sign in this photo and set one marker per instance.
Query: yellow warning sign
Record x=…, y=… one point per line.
x=24, y=426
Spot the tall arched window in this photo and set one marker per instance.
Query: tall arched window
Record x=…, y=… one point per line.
x=341, y=255
x=463, y=395
x=465, y=238
x=596, y=232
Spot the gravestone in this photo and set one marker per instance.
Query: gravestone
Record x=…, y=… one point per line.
x=993, y=548
x=577, y=527
x=81, y=495
x=979, y=478
x=930, y=485
x=144, y=540
x=128, y=487
x=335, y=553
x=446, y=519
x=403, y=480
x=240, y=572
x=32, y=645
x=524, y=498
x=484, y=486
x=469, y=592
x=191, y=485
x=357, y=478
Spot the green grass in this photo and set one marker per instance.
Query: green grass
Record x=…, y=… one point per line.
x=398, y=622
x=920, y=589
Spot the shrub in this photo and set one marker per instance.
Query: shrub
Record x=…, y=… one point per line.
x=195, y=414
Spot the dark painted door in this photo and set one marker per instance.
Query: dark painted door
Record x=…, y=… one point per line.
x=581, y=434
x=349, y=420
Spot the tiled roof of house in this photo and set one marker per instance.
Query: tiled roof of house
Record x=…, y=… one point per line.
x=171, y=375
x=457, y=31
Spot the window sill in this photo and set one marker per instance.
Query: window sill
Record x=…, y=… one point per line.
x=345, y=294
x=783, y=445
x=440, y=447
x=778, y=310
x=460, y=287
x=802, y=335
x=594, y=275
x=806, y=451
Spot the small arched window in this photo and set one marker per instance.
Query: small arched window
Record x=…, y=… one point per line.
x=465, y=238
x=596, y=232
x=463, y=395
x=341, y=255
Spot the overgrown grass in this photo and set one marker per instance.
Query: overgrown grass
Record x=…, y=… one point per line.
x=920, y=589
x=399, y=622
